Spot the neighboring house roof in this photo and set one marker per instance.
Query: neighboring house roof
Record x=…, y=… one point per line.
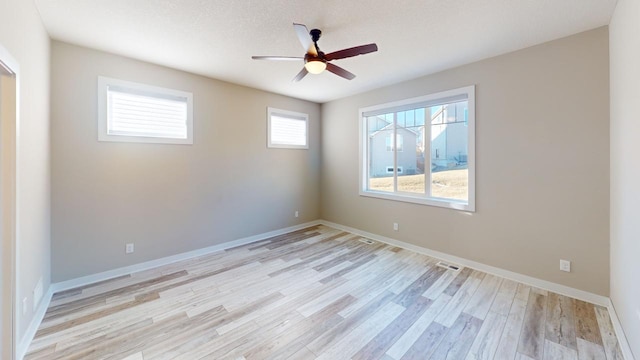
x=389, y=127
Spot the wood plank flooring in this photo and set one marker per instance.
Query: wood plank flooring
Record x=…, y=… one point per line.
x=319, y=293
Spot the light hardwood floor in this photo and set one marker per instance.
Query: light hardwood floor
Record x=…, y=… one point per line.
x=319, y=293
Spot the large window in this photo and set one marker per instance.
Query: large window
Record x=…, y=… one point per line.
x=432, y=159
x=287, y=129
x=133, y=112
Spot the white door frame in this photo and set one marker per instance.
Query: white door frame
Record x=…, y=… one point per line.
x=9, y=70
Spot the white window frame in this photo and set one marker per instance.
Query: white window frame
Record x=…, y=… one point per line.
x=467, y=93
x=291, y=115
x=148, y=90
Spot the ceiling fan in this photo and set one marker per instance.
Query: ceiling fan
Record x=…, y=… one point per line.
x=315, y=61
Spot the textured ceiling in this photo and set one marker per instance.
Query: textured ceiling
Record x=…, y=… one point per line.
x=216, y=38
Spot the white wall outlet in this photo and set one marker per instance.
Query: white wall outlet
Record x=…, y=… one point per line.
x=37, y=295
x=129, y=248
x=565, y=265
x=296, y=213
x=395, y=227
x=24, y=306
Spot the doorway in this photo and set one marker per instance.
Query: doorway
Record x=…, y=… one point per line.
x=8, y=151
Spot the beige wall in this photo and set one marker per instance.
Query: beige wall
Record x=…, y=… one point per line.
x=7, y=209
x=168, y=199
x=22, y=34
x=625, y=173
x=542, y=164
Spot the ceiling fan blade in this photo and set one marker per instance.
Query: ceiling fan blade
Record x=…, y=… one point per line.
x=340, y=71
x=300, y=75
x=285, y=58
x=305, y=39
x=354, y=51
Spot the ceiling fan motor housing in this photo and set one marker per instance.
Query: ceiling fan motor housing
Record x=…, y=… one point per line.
x=315, y=34
x=316, y=61
x=310, y=57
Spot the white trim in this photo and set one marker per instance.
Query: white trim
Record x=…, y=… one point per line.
x=471, y=147
x=525, y=279
x=417, y=199
x=24, y=344
x=18, y=234
x=103, y=135
x=110, y=274
x=290, y=115
x=539, y=283
x=8, y=60
x=38, y=316
x=14, y=68
x=617, y=327
x=464, y=93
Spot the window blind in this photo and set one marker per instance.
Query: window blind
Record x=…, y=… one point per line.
x=288, y=131
x=130, y=113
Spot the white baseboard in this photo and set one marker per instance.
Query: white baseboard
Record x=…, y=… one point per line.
x=539, y=283
x=23, y=345
x=110, y=274
x=542, y=284
x=617, y=326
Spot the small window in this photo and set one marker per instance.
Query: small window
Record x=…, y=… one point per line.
x=133, y=112
x=391, y=145
x=438, y=168
x=287, y=129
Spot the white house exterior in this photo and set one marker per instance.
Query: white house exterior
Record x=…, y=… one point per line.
x=449, y=135
x=448, y=141
x=381, y=148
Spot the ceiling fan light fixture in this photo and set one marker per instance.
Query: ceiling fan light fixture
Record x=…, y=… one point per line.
x=315, y=61
x=315, y=66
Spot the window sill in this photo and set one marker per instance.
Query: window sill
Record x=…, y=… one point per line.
x=422, y=200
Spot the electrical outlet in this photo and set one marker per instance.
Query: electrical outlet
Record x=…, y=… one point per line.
x=24, y=306
x=565, y=265
x=395, y=227
x=129, y=248
x=296, y=213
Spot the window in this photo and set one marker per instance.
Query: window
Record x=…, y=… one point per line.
x=432, y=160
x=132, y=112
x=287, y=129
x=391, y=145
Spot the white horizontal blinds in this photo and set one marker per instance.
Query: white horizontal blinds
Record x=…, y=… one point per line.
x=287, y=130
x=134, y=113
